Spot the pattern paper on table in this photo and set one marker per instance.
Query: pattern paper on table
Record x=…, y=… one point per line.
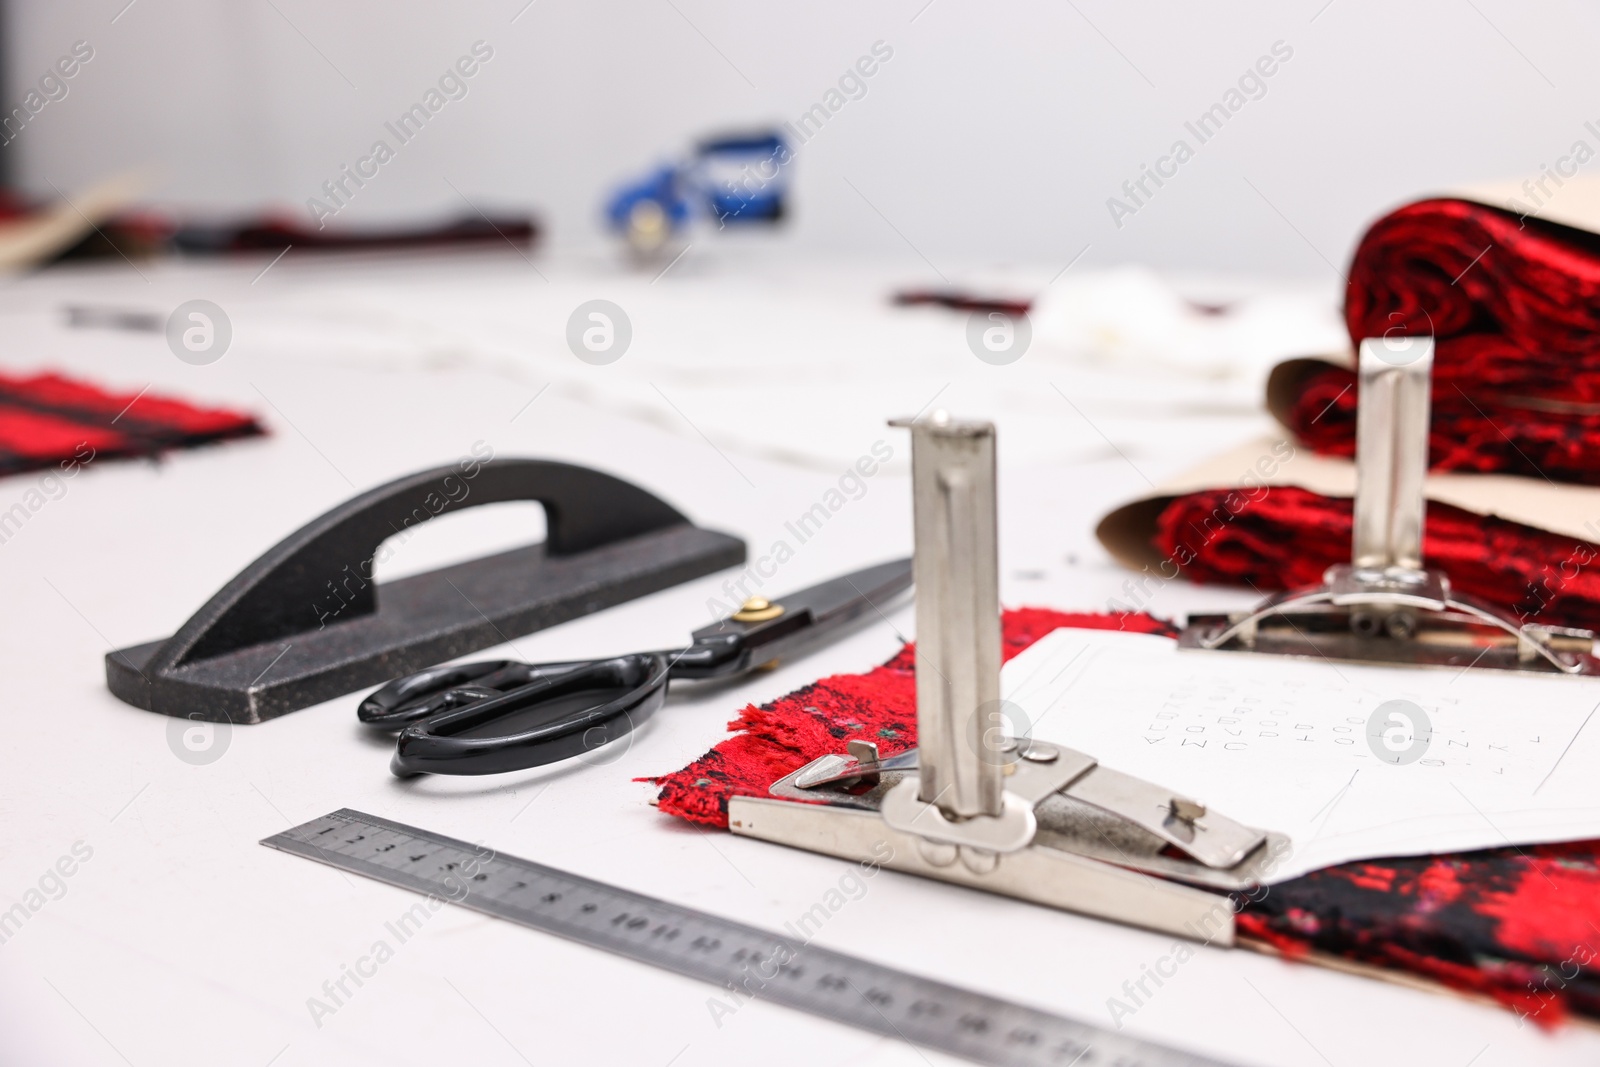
x=1287, y=745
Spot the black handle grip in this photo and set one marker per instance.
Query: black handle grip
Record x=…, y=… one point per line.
x=276, y=596
x=305, y=621
x=438, y=689
x=591, y=705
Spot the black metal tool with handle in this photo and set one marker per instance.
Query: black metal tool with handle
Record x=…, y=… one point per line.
x=306, y=622
x=502, y=715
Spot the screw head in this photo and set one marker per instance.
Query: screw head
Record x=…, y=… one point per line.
x=757, y=609
x=1186, y=809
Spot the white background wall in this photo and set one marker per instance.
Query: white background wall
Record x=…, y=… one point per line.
x=996, y=132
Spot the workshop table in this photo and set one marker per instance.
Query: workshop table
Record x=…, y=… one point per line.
x=178, y=939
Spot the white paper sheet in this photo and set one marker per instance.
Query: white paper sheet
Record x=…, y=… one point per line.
x=1286, y=744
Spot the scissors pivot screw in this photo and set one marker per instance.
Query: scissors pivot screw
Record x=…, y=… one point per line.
x=757, y=609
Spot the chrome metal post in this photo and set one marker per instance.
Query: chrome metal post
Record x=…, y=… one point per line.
x=1391, y=455
x=959, y=727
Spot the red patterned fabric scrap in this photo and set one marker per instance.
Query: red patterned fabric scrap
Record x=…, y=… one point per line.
x=49, y=419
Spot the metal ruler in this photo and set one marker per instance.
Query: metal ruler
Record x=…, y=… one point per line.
x=744, y=960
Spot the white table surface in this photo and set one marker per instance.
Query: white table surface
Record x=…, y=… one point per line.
x=183, y=941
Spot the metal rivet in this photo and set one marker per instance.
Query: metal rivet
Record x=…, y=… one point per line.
x=979, y=860
x=1039, y=752
x=1186, y=809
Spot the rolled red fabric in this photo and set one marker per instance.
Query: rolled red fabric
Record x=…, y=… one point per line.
x=1289, y=536
x=1514, y=306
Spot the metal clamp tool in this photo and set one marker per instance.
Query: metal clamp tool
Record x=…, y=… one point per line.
x=1384, y=606
x=973, y=806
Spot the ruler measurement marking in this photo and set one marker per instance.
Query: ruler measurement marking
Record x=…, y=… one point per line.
x=727, y=954
x=637, y=926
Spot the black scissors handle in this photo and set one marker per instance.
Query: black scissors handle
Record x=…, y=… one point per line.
x=565, y=710
x=439, y=689
x=539, y=712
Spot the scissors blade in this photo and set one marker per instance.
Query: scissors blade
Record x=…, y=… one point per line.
x=808, y=615
x=847, y=596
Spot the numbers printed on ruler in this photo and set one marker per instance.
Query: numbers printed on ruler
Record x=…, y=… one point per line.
x=456, y=869
x=745, y=962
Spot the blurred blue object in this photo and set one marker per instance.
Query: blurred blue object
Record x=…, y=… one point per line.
x=736, y=180
x=744, y=177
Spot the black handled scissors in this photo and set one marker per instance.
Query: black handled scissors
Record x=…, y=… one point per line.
x=501, y=715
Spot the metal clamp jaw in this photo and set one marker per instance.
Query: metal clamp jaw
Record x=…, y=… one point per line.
x=1384, y=606
x=972, y=806
x=1054, y=797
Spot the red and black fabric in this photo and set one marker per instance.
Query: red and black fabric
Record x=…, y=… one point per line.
x=48, y=419
x=1519, y=925
x=1289, y=536
x=1514, y=306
